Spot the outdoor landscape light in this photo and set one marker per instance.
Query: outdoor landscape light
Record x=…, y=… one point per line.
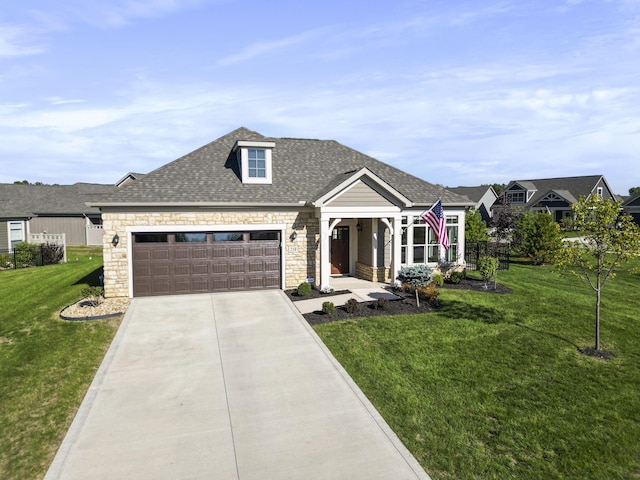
x=115, y=240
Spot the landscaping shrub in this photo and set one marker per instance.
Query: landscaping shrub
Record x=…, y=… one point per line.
x=416, y=276
x=429, y=294
x=304, y=289
x=455, y=277
x=52, y=254
x=328, y=307
x=381, y=304
x=438, y=279
x=27, y=254
x=93, y=295
x=352, y=306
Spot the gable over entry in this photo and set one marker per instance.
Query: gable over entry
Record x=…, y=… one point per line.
x=361, y=199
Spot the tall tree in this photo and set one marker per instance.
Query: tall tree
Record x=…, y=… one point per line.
x=634, y=191
x=504, y=222
x=475, y=228
x=610, y=239
x=498, y=187
x=538, y=236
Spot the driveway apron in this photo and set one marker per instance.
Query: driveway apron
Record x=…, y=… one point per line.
x=226, y=386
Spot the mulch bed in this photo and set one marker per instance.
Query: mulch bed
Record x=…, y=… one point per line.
x=406, y=305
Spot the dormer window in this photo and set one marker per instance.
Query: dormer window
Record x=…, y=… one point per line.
x=254, y=160
x=515, y=197
x=257, y=163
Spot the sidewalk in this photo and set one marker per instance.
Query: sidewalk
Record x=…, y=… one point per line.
x=361, y=290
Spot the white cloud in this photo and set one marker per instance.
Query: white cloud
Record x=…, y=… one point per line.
x=114, y=14
x=18, y=41
x=62, y=101
x=270, y=47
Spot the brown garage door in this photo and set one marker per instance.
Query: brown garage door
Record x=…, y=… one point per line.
x=201, y=262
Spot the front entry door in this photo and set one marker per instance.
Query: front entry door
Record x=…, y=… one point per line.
x=340, y=251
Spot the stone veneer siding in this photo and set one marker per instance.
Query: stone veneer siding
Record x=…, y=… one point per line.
x=301, y=254
x=373, y=274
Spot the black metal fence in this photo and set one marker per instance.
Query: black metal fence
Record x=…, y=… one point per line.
x=501, y=251
x=31, y=255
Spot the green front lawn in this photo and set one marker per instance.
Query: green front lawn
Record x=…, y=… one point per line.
x=46, y=364
x=493, y=386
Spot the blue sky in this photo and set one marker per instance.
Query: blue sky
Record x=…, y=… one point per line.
x=454, y=92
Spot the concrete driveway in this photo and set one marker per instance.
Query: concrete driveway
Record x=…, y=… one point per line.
x=226, y=386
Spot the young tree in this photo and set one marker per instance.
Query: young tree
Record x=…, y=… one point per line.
x=488, y=268
x=475, y=228
x=538, y=236
x=610, y=239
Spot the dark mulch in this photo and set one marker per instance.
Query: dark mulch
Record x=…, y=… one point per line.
x=475, y=284
x=294, y=297
x=592, y=352
x=406, y=305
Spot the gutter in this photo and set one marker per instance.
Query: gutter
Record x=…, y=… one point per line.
x=195, y=204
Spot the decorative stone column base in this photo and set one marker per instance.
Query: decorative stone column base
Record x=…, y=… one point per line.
x=373, y=274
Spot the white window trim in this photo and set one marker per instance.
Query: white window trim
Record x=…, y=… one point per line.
x=442, y=253
x=9, y=230
x=242, y=148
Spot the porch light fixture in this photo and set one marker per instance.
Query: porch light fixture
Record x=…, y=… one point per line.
x=115, y=240
x=359, y=227
x=293, y=236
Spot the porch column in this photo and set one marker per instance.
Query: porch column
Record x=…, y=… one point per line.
x=374, y=243
x=396, y=251
x=325, y=261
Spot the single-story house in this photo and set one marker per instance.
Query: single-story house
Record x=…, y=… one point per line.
x=554, y=195
x=52, y=209
x=484, y=197
x=631, y=206
x=252, y=212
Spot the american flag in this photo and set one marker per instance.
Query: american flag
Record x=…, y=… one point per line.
x=434, y=217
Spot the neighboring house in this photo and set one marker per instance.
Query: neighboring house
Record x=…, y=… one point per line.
x=631, y=206
x=553, y=195
x=252, y=212
x=52, y=209
x=129, y=178
x=483, y=196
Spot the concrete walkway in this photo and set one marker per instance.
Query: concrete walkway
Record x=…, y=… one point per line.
x=361, y=290
x=226, y=386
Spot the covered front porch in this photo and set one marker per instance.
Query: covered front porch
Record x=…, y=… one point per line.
x=366, y=248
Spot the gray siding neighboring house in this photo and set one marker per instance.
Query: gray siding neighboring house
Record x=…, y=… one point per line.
x=484, y=196
x=554, y=195
x=54, y=209
x=631, y=206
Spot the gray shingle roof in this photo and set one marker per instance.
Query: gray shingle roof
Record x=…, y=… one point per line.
x=570, y=188
x=303, y=170
x=18, y=201
x=474, y=193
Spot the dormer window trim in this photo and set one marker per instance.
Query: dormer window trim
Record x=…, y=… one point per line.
x=255, y=161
